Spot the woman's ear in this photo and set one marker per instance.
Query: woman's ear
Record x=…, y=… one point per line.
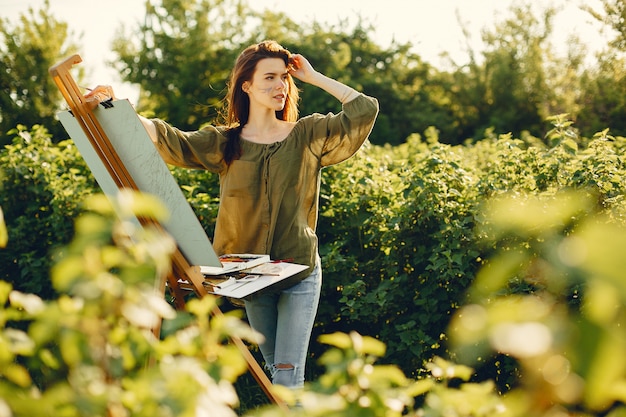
x=245, y=87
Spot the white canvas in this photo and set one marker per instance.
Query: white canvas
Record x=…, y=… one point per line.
x=135, y=149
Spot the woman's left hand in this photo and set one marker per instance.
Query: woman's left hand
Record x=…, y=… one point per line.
x=301, y=68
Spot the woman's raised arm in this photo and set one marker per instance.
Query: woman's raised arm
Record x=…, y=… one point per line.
x=304, y=71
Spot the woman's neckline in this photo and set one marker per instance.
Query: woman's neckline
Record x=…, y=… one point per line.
x=274, y=142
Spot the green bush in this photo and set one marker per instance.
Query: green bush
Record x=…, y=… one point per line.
x=92, y=351
x=570, y=355
x=402, y=229
x=41, y=185
x=548, y=294
x=201, y=188
x=399, y=246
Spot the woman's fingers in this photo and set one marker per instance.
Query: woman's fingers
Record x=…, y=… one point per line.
x=300, y=67
x=101, y=93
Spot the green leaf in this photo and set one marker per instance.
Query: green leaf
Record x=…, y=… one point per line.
x=570, y=146
x=5, y=290
x=337, y=339
x=17, y=374
x=31, y=303
x=4, y=235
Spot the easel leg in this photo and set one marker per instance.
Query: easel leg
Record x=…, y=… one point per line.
x=181, y=268
x=254, y=367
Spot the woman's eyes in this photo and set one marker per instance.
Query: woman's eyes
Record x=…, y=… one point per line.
x=283, y=77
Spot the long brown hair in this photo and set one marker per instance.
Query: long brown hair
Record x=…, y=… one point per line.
x=239, y=102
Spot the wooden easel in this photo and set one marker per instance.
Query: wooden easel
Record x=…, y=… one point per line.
x=181, y=269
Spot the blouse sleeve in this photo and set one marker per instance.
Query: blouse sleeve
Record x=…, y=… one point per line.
x=336, y=137
x=202, y=149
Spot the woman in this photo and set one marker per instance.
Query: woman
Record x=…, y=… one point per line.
x=269, y=164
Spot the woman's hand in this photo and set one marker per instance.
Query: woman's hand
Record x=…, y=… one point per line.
x=104, y=93
x=98, y=95
x=302, y=69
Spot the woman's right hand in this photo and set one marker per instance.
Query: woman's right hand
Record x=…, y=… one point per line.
x=98, y=95
x=105, y=93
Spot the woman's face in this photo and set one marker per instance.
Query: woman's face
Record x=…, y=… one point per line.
x=269, y=85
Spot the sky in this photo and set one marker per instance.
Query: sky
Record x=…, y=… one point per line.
x=431, y=26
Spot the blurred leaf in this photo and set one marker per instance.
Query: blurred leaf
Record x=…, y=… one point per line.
x=607, y=374
x=497, y=273
x=5, y=290
x=4, y=235
x=71, y=346
x=602, y=303
x=17, y=374
x=19, y=341
x=602, y=254
x=388, y=375
x=66, y=272
x=529, y=214
x=141, y=205
x=441, y=368
x=31, y=303
x=338, y=340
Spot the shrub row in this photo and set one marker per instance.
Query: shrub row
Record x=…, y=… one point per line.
x=401, y=231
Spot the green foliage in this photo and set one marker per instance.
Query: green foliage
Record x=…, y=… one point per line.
x=181, y=56
x=91, y=352
x=603, y=94
x=399, y=229
x=4, y=236
x=398, y=243
x=353, y=385
x=28, y=95
x=507, y=89
x=451, y=393
x=570, y=355
x=613, y=15
x=41, y=184
x=201, y=188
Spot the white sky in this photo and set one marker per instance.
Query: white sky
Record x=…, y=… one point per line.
x=431, y=26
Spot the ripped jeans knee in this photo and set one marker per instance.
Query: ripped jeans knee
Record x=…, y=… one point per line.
x=284, y=374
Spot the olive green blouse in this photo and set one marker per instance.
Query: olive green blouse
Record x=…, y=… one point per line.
x=269, y=197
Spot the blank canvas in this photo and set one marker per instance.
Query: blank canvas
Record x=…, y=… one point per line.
x=135, y=149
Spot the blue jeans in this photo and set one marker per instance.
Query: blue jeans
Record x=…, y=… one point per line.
x=285, y=319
